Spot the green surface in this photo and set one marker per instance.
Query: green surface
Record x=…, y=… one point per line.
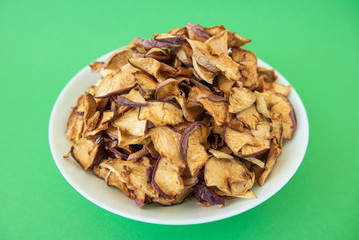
x=314, y=44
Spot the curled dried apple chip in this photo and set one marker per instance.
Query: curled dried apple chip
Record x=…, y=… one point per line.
x=167, y=141
x=235, y=140
x=196, y=32
x=281, y=105
x=159, y=70
x=75, y=125
x=219, y=43
x=249, y=117
x=166, y=178
x=216, y=106
x=118, y=59
x=87, y=152
x=161, y=113
x=187, y=114
x=132, y=176
x=240, y=99
x=96, y=66
x=193, y=145
x=167, y=89
x=228, y=175
x=130, y=123
x=219, y=154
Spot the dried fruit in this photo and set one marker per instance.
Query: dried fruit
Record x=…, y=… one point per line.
x=193, y=145
x=228, y=175
x=187, y=113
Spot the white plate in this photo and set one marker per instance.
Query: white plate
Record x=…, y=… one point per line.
x=113, y=200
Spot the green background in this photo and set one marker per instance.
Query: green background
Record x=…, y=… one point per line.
x=314, y=44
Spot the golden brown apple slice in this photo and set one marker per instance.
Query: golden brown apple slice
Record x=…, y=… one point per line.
x=87, y=152
x=166, y=178
x=161, y=113
x=193, y=145
x=228, y=175
x=240, y=99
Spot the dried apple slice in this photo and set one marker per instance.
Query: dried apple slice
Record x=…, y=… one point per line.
x=203, y=58
x=126, y=101
x=112, y=132
x=280, y=88
x=125, y=139
x=273, y=154
x=182, y=56
x=282, y=105
x=228, y=175
x=193, y=145
x=176, y=40
x=90, y=105
x=248, y=67
x=139, y=154
x=236, y=140
x=91, y=123
x=235, y=124
x=145, y=80
x=74, y=126
x=102, y=124
x=219, y=43
x=217, y=106
x=151, y=149
x=208, y=196
x=261, y=141
x=276, y=87
x=166, y=178
x=263, y=130
x=178, y=199
x=96, y=66
x=277, y=128
x=161, y=113
x=219, y=154
x=161, y=41
x=114, y=84
x=222, y=61
x=111, y=179
x=202, y=72
x=159, y=70
x=197, y=32
x=250, y=117
x=118, y=59
x=167, y=89
x=238, y=41
x=87, y=152
x=167, y=143
x=113, y=152
x=248, y=195
x=262, y=146
x=151, y=43
x=253, y=160
x=133, y=175
x=190, y=110
x=227, y=66
x=135, y=96
x=122, y=101
x=240, y=99
x=267, y=75
x=225, y=84
x=214, y=30
x=261, y=105
x=130, y=123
